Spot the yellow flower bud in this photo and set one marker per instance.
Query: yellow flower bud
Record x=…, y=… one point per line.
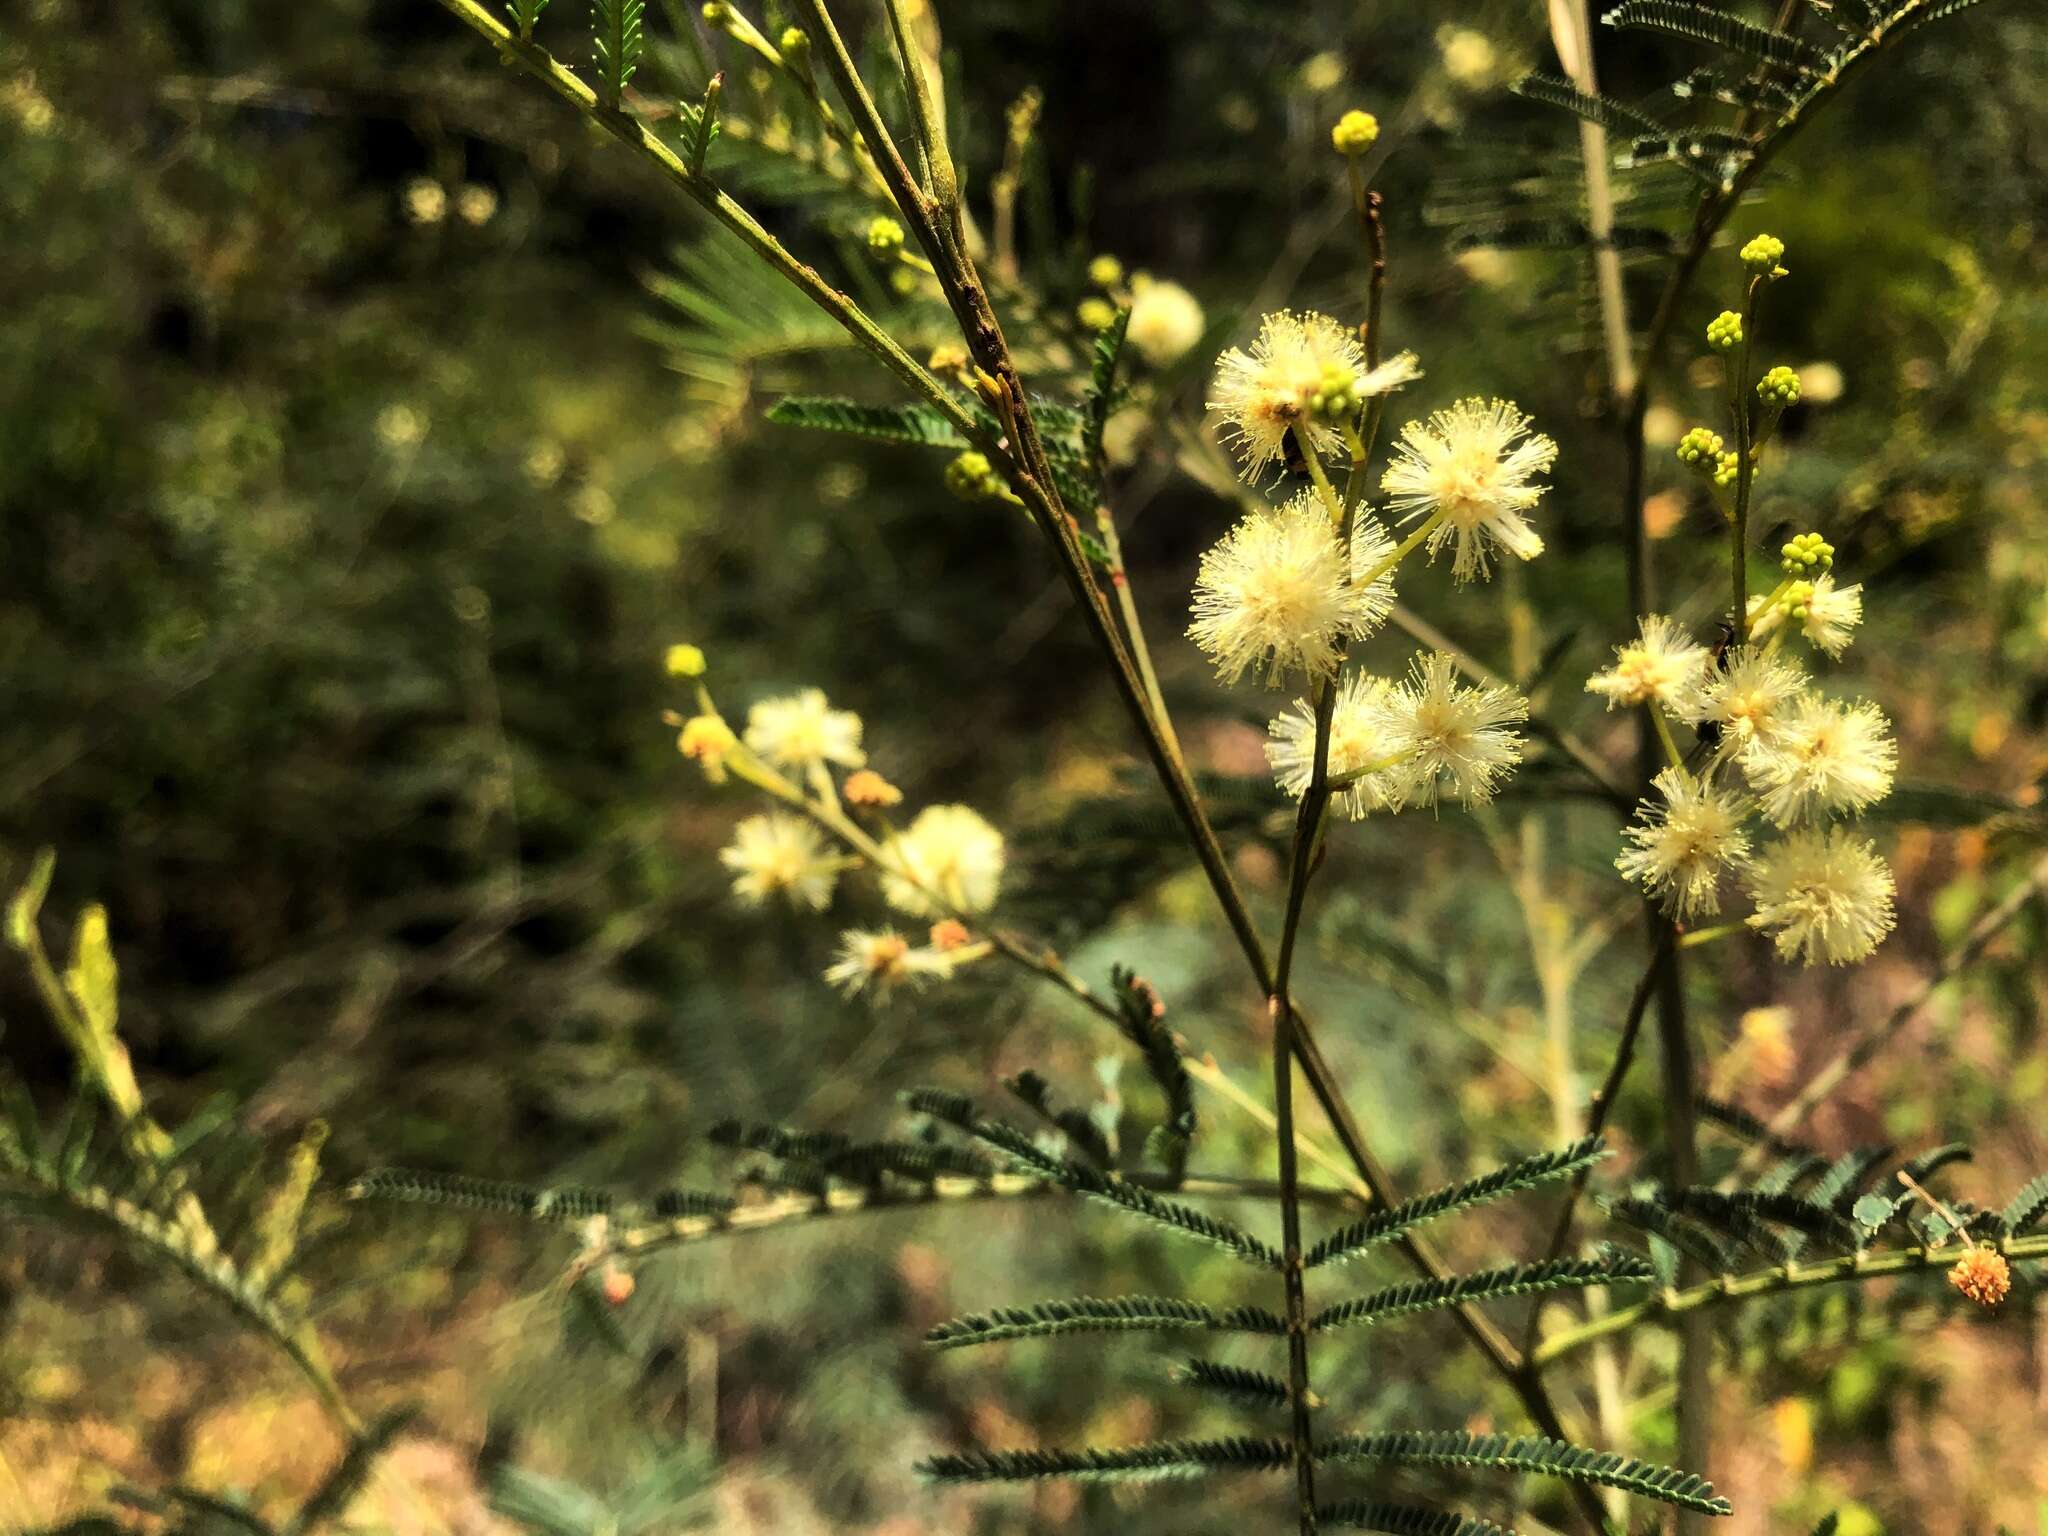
x=1355, y=132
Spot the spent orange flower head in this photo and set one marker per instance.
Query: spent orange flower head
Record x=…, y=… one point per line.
x=1982, y=1275
x=867, y=787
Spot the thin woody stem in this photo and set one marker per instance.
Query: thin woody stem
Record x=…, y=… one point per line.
x=1134, y=628
x=632, y=1238
x=1025, y=465
x=1679, y=1304
x=1307, y=834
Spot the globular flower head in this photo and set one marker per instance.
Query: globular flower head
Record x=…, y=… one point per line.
x=801, y=730
x=876, y=961
x=1457, y=740
x=1475, y=463
x=1762, y=255
x=949, y=858
x=1724, y=331
x=1803, y=551
x=1364, y=742
x=684, y=661
x=1105, y=271
x=971, y=477
x=706, y=739
x=1983, y=1275
x=1822, y=895
x=885, y=235
x=864, y=787
x=1278, y=592
x=1095, y=312
x=1700, y=449
x=1663, y=665
x=948, y=934
x=1355, y=132
x=1825, y=758
x=1779, y=386
x=1748, y=699
x=1727, y=468
x=778, y=854
x=1166, y=321
x=1270, y=390
x=1829, y=614
x=1681, y=843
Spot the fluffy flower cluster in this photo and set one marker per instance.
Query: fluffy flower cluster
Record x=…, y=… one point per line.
x=1282, y=593
x=1770, y=748
x=946, y=867
x=1473, y=468
x=1269, y=391
x=1416, y=742
x=1288, y=590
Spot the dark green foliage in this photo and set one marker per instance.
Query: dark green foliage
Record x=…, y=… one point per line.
x=1826, y=1527
x=1530, y=1453
x=1525, y=1173
x=2026, y=1207
x=690, y=1202
x=484, y=1196
x=840, y=1157
x=1706, y=25
x=525, y=13
x=1741, y=1123
x=1101, y=398
x=617, y=43
x=1788, y=1173
x=1484, y=1285
x=1929, y=1163
x=1142, y=1018
x=1164, y=1458
x=1088, y=1314
x=1936, y=13
x=332, y=1498
x=1236, y=1382
x=1096, y=1183
x=1082, y=1134
x=699, y=124
x=1846, y=1176
x=1615, y=116
x=1744, y=1212
x=1404, y=1520
x=919, y=425
x=1659, y=1220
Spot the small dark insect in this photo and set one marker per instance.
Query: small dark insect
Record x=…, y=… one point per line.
x=1709, y=731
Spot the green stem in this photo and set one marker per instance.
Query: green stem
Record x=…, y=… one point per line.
x=1403, y=550
x=1746, y=447
x=1321, y=477
x=1695, y=937
x=1307, y=836
x=1767, y=1282
x=632, y=1238
x=1134, y=628
x=1672, y=755
x=931, y=119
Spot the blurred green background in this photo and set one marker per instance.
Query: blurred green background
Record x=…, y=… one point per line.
x=358, y=462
